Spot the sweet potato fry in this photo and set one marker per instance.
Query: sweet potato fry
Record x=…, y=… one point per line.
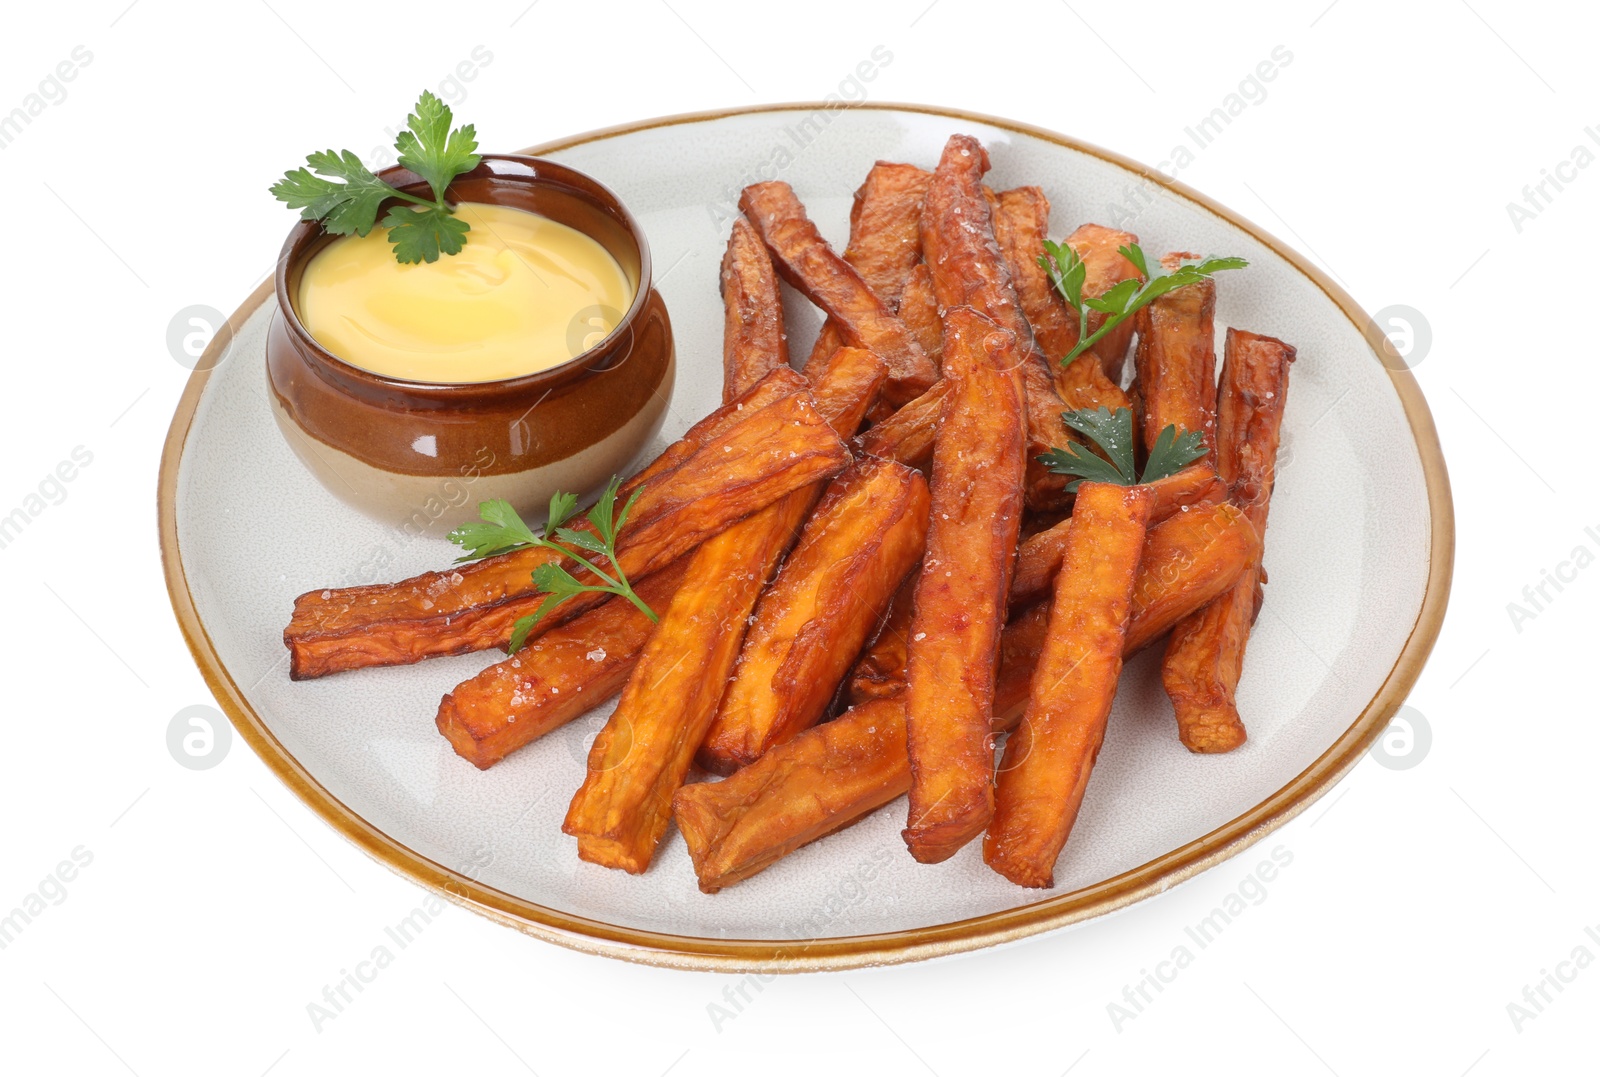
x=961, y=591
x=1082, y=383
x=1039, y=556
x=907, y=435
x=1176, y=361
x=769, y=452
x=644, y=751
x=1045, y=769
x=880, y=671
x=884, y=242
x=1104, y=267
x=587, y=660
x=969, y=269
x=807, y=262
x=829, y=776
x=1205, y=655
x=1189, y=559
x=1022, y=224
x=854, y=553
x=559, y=676
x=919, y=310
x=753, y=341
x=813, y=785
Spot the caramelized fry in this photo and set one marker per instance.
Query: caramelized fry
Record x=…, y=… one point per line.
x=1189, y=559
x=884, y=243
x=807, y=262
x=827, y=777
x=565, y=673
x=1039, y=556
x=1082, y=383
x=811, y=786
x=1104, y=267
x=856, y=549
x=1045, y=769
x=961, y=591
x=1177, y=361
x=880, y=672
x=768, y=452
x=907, y=435
x=1022, y=224
x=646, y=747
x=753, y=341
x=919, y=310
x=1206, y=652
x=969, y=269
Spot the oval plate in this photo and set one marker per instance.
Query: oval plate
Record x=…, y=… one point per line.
x=1359, y=554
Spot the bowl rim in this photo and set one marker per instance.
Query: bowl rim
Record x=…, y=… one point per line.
x=774, y=956
x=307, y=238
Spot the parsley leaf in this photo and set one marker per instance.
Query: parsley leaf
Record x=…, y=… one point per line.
x=342, y=193
x=347, y=208
x=1172, y=453
x=420, y=235
x=1113, y=432
x=500, y=529
x=1123, y=299
x=430, y=149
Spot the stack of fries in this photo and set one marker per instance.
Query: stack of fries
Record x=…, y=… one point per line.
x=848, y=615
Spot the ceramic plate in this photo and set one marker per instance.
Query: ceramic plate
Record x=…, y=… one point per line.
x=1359, y=554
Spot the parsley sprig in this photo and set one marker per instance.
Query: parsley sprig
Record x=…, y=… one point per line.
x=500, y=529
x=419, y=232
x=1113, y=432
x=1068, y=273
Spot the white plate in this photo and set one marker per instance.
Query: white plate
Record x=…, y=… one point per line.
x=1358, y=552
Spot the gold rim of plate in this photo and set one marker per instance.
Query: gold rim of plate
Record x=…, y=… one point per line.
x=753, y=955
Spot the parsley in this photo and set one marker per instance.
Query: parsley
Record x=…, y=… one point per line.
x=500, y=529
x=1068, y=272
x=419, y=232
x=1113, y=432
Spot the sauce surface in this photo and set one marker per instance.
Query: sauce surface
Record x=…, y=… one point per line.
x=523, y=295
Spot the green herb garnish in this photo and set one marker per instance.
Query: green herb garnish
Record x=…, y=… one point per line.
x=1113, y=432
x=419, y=232
x=500, y=529
x=1067, y=272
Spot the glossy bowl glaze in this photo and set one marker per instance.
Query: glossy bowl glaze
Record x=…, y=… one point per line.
x=418, y=455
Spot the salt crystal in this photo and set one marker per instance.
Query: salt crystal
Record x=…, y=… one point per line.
x=596, y=655
x=327, y=595
x=920, y=635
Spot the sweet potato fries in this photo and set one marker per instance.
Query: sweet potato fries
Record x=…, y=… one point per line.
x=847, y=616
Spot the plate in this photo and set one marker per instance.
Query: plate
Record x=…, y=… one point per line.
x=1359, y=553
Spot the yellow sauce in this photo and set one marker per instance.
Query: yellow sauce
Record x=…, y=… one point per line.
x=524, y=294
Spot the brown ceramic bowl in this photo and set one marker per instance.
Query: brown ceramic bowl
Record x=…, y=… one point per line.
x=413, y=454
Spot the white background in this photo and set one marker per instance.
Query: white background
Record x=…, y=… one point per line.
x=1419, y=903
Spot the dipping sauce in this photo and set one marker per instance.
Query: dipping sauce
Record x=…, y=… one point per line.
x=526, y=293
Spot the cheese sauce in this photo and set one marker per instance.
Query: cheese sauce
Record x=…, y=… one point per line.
x=524, y=294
